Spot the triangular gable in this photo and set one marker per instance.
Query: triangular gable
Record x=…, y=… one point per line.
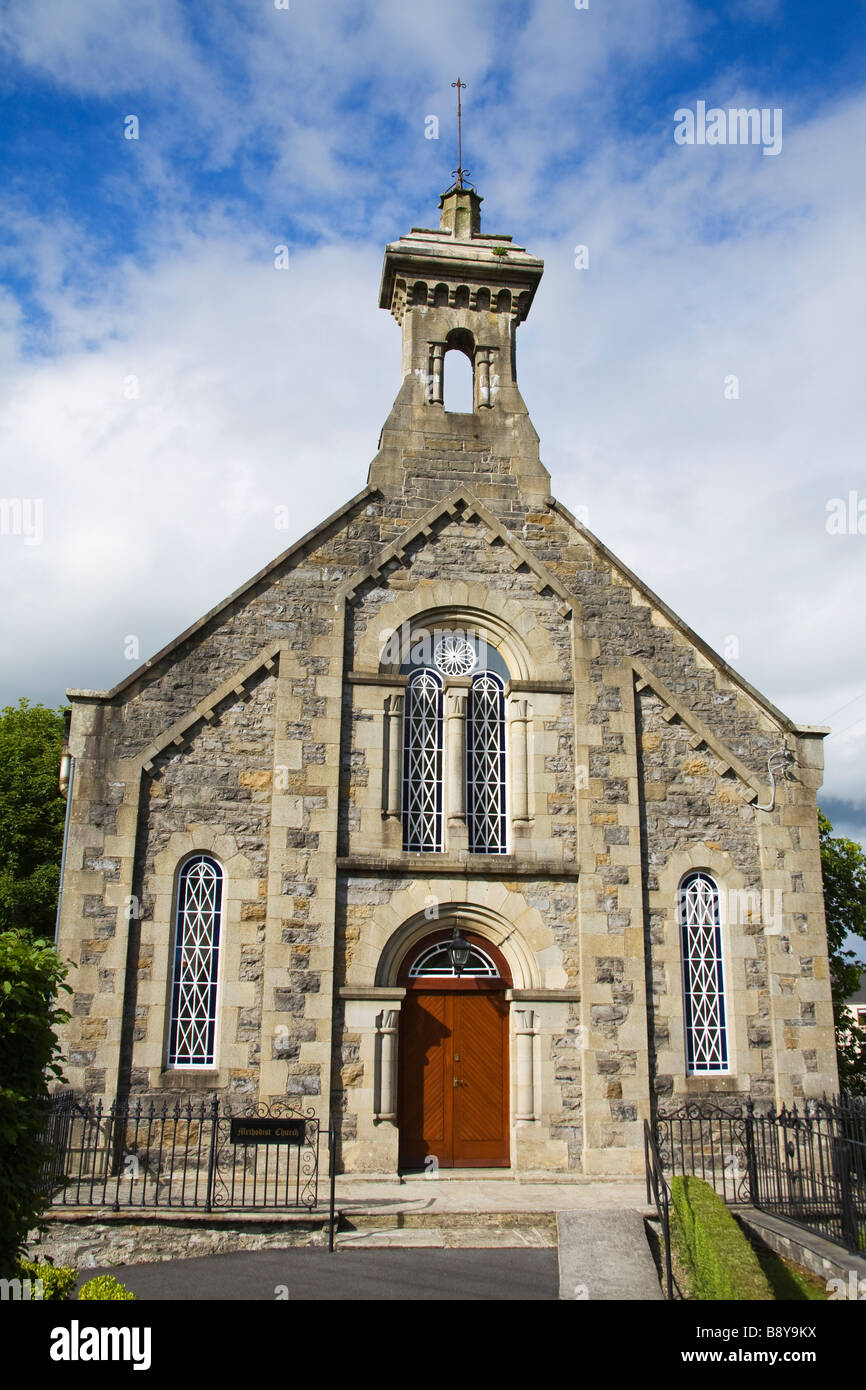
x=672, y=708
x=464, y=504
x=181, y=730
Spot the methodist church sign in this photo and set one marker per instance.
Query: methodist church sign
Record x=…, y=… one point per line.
x=268, y=1131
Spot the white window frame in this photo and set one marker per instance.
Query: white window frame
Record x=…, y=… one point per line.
x=706, y=1037
x=491, y=791
x=186, y=1057
x=423, y=786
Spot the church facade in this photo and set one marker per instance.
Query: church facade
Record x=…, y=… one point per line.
x=445, y=826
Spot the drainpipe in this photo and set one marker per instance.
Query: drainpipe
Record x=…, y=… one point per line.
x=67, y=776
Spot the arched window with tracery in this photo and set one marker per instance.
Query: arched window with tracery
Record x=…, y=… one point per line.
x=703, y=975
x=192, y=1029
x=422, y=764
x=485, y=765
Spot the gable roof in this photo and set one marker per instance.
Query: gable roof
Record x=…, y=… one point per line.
x=463, y=500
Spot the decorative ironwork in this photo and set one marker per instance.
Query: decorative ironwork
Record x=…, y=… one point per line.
x=460, y=174
x=454, y=656
x=706, y=1029
x=422, y=764
x=807, y=1166
x=657, y=1188
x=149, y=1153
x=486, y=766
x=436, y=961
x=710, y=1141
x=196, y=964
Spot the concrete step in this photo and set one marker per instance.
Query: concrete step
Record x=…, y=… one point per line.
x=447, y=1230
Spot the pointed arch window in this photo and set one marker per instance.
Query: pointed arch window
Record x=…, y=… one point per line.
x=703, y=975
x=485, y=765
x=192, y=1030
x=422, y=764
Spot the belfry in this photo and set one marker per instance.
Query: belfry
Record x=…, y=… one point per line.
x=446, y=826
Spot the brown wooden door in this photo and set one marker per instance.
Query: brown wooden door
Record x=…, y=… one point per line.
x=454, y=1079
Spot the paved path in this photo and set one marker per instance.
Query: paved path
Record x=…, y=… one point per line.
x=605, y=1255
x=445, y=1194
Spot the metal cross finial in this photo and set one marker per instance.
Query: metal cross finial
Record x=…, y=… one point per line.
x=459, y=172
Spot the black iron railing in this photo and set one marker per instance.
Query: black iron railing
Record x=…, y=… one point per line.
x=159, y=1154
x=807, y=1165
x=657, y=1188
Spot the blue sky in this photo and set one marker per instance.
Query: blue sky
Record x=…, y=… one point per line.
x=152, y=260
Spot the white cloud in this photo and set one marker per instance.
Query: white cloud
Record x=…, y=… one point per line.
x=259, y=387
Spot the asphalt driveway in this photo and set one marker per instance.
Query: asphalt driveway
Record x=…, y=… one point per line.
x=300, y=1274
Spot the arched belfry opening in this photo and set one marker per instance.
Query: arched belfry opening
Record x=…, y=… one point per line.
x=458, y=372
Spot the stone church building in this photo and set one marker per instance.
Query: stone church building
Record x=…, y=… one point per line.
x=445, y=825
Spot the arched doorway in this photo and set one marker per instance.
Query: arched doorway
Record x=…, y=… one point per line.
x=453, y=1096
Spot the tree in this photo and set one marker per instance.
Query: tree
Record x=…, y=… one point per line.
x=32, y=813
x=843, y=867
x=31, y=978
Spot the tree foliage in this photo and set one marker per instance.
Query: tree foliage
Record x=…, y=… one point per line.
x=32, y=813
x=31, y=979
x=843, y=867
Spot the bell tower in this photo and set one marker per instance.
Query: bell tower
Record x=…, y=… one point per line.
x=455, y=289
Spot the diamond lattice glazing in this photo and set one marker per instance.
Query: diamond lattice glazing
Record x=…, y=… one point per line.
x=422, y=765
x=196, y=963
x=706, y=1032
x=486, y=766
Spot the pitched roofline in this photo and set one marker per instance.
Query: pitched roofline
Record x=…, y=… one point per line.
x=293, y=550
x=676, y=621
x=464, y=501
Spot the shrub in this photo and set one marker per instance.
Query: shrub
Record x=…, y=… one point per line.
x=57, y=1283
x=104, y=1286
x=721, y=1262
x=31, y=975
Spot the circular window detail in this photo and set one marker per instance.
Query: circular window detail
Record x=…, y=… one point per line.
x=454, y=656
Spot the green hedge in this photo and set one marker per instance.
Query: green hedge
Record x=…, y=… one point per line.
x=57, y=1281
x=105, y=1286
x=721, y=1262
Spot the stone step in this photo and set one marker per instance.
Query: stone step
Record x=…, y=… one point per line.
x=366, y=1220
x=448, y=1237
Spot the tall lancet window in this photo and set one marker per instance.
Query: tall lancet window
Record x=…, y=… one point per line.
x=485, y=758
x=192, y=1033
x=422, y=764
x=703, y=976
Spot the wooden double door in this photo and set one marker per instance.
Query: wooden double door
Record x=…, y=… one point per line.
x=453, y=1091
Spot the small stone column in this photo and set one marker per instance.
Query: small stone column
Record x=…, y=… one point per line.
x=518, y=717
x=386, y=1081
x=482, y=374
x=393, y=742
x=455, y=765
x=436, y=361
x=525, y=1032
